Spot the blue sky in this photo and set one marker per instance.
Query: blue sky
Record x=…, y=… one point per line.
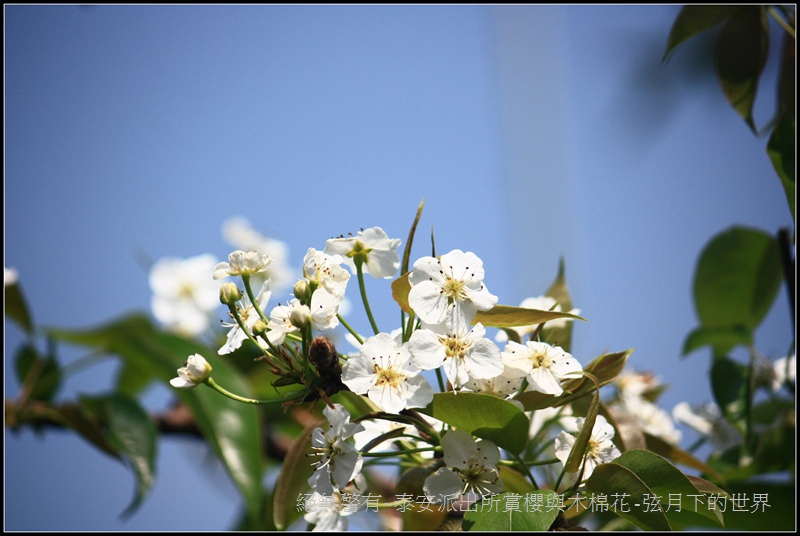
x=531, y=132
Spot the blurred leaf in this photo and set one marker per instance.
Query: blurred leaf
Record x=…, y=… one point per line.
x=16, y=308
x=721, y=338
x=497, y=518
x=677, y=455
x=781, y=150
x=483, y=415
x=514, y=481
x=231, y=428
x=787, y=81
x=694, y=19
x=132, y=433
x=669, y=483
x=560, y=336
x=740, y=55
x=605, y=368
x=292, y=481
x=579, y=448
x=736, y=280
x=40, y=377
x=611, y=478
x=729, y=384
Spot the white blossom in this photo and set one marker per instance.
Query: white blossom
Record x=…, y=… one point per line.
x=328, y=513
x=650, y=418
x=240, y=234
x=384, y=370
x=382, y=260
x=241, y=263
x=195, y=371
x=339, y=461
x=599, y=450
x=451, y=284
x=185, y=296
x=707, y=419
x=249, y=316
x=632, y=383
x=470, y=467
x=784, y=370
x=325, y=271
x=545, y=366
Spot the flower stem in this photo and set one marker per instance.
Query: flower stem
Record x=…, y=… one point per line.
x=348, y=328
x=363, y=289
x=249, y=290
x=525, y=468
x=214, y=385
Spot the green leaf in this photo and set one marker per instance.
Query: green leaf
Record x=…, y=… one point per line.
x=678, y=494
x=410, y=240
x=722, y=338
x=740, y=55
x=736, y=280
x=494, y=514
x=232, y=429
x=729, y=383
x=292, y=481
x=781, y=150
x=694, y=19
x=40, y=377
x=132, y=433
x=605, y=368
x=483, y=415
x=614, y=480
x=677, y=455
x=16, y=307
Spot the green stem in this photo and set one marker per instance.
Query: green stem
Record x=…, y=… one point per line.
x=256, y=306
x=235, y=313
x=348, y=328
x=214, y=385
x=390, y=454
x=363, y=289
x=525, y=468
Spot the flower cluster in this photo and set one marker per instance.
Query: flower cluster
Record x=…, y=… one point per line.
x=447, y=313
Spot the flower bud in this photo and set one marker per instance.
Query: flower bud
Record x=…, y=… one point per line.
x=300, y=316
x=302, y=291
x=260, y=327
x=195, y=371
x=229, y=294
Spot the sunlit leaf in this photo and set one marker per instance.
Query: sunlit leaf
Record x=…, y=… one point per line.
x=579, y=448
x=493, y=515
x=614, y=480
x=410, y=240
x=740, y=55
x=292, y=481
x=558, y=290
x=721, y=338
x=677, y=492
x=678, y=455
x=483, y=415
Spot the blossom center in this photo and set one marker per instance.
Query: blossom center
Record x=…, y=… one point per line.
x=541, y=359
x=388, y=376
x=454, y=347
x=454, y=290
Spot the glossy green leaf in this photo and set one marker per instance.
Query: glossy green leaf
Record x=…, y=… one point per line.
x=605, y=368
x=483, y=415
x=580, y=447
x=678, y=455
x=781, y=150
x=132, y=433
x=678, y=494
x=16, y=307
x=740, y=55
x=39, y=377
x=231, y=428
x=721, y=338
x=614, y=480
x=493, y=514
x=292, y=481
x=694, y=19
x=736, y=280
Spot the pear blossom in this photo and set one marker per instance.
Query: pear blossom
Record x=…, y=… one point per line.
x=544, y=365
x=547, y=417
x=380, y=251
x=470, y=467
x=541, y=303
x=632, y=383
x=503, y=385
x=707, y=419
x=328, y=513
x=650, y=418
x=339, y=462
x=280, y=322
x=241, y=263
x=599, y=450
x=240, y=234
x=451, y=284
x=465, y=353
x=385, y=371
x=325, y=271
x=195, y=371
x=249, y=316
x=185, y=296
x=10, y=276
